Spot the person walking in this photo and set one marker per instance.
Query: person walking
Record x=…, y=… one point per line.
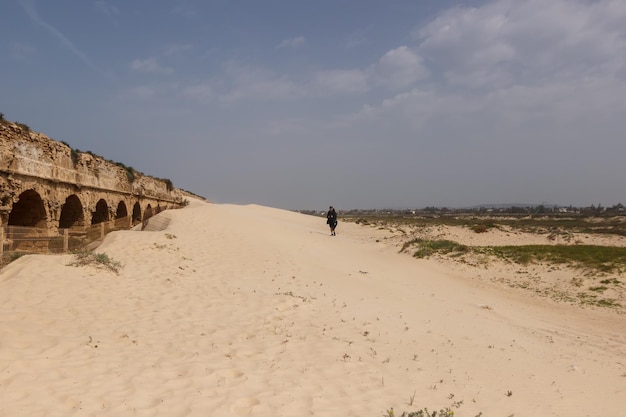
x=331, y=220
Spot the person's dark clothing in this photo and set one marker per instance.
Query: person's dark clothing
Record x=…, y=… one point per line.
x=331, y=220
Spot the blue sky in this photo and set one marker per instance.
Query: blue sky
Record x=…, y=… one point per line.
x=359, y=104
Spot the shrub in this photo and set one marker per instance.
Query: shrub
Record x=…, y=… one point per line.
x=74, y=154
x=23, y=126
x=130, y=174
x=429, y=247
x=480, y=228
x=601, y=258
x=99, y=260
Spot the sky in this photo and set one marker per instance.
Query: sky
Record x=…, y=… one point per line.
x=353, y=103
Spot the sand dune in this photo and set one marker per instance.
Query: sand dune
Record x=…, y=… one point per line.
x=248, y=310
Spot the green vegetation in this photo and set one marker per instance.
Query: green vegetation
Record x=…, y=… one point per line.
x=480, y=228
x=98, y=260
x=169, y=185
x=130, y=171
x=130, y=174
x=555, y=224
x=592, y=260
x=193, y=194
x=599, y=258
x=74, y=154
x=15, y=256
x=445, y=412
x=23, y=126
x=424, y=412
x=8, y=257
x=428, y=248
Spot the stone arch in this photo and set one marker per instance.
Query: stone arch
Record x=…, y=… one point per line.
x=71, y=213
x=148, y=212
x=28, y=211
x=102, y=212
x=121, y=211
x=136, y=213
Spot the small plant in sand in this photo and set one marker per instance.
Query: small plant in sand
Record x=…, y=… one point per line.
x=430, y=247
x=7, y=258
x=444, y=412
x=15, y=256
x=480, y=228
x=98, y=260
x=424, y=412
x=599, y=258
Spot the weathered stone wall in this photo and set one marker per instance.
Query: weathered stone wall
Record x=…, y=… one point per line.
x=25, y=152
x=32, y=161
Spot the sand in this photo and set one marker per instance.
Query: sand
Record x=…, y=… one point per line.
x=247, y=310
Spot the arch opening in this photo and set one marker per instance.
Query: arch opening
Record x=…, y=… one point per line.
x=28, y=211
x=71, y=213
x=102, y=212
x=148, y=212
x=121, y=211
x=136, y=213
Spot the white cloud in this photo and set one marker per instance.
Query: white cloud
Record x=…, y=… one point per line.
x=150, y=66
x=399, y=68
x=525, y=41
x=539, y=75
x=495, y=48
x=291, y=42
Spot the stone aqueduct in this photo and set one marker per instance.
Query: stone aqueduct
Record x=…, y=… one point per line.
x=45, y=184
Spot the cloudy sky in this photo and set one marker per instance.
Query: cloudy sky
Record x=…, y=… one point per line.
x=301, y=104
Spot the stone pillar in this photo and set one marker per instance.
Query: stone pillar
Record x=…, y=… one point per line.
x=66, y=237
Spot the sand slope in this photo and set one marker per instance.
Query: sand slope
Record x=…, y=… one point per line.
x=248, y=310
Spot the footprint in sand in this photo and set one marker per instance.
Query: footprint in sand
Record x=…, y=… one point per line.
x=228, y=377
x=243, y=406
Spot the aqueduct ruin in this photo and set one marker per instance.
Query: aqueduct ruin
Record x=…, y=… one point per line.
x=47, y=186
